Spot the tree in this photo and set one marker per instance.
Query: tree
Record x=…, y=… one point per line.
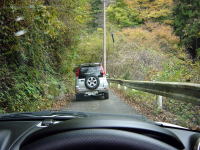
x=187, y=25
x=121, y=14
x=129, y=13
x=152, y=10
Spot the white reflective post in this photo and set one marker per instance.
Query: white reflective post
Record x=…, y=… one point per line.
x=160, y=102
x=119, y=86
x=125, y=88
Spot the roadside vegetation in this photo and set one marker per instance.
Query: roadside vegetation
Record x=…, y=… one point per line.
x=36, y=68
x=148, y=46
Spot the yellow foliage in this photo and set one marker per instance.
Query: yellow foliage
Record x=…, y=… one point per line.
x=151, y=9
x=152, y=36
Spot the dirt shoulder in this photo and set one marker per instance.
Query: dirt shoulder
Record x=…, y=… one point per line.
x=63, y=102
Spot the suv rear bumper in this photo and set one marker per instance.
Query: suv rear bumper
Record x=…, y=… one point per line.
x=98, y=91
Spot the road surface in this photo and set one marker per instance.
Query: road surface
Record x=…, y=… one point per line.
x=94, y=104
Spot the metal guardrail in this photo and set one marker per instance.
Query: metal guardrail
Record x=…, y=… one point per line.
x=187, y=92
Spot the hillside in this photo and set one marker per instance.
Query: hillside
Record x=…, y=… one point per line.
x=36, y=67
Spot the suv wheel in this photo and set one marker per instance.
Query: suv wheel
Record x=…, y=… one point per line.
x=106, y=95
x=92, y=82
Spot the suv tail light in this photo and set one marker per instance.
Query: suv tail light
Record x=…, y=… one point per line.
x=77, y=72
x=102, y=71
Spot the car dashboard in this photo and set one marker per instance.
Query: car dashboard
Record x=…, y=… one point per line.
x=19, y=134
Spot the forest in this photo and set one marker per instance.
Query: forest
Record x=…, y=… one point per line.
x=156, y=39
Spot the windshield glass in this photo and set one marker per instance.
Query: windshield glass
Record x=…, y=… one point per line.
x=75, y=55
x=85, y=71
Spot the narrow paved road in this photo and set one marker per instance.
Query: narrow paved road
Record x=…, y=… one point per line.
x=94, y=104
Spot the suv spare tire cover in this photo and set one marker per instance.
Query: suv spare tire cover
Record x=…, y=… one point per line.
x=92, y=82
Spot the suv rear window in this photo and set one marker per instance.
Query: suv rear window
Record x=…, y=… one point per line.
x=85, y=71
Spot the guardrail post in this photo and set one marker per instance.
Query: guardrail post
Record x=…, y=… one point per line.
x=119, y=86
x=125, y=88
x=159, y=101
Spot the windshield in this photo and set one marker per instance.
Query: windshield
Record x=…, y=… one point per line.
x=75, y=55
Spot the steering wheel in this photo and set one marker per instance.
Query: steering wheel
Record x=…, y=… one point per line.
x=97, y=139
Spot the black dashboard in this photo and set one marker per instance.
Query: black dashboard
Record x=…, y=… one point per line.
x=20, y=134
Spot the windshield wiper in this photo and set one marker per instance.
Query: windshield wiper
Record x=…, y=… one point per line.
x=164, y=124
x=56, y=115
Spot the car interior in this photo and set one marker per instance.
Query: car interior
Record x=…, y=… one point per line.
x=93, y=131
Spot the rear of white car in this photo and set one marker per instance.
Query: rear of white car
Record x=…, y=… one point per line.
x=91, y=80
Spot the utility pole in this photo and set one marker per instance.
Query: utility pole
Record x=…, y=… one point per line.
x=104, y=35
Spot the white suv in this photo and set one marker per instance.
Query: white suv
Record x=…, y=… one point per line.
x=91, y=80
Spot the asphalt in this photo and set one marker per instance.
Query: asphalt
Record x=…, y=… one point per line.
x=114, y=105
